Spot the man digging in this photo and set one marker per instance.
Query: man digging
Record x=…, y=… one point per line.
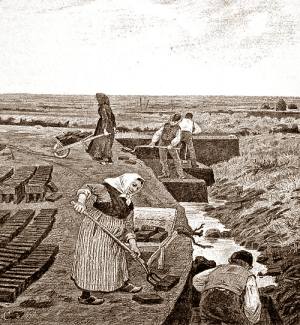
x=169, y=136
x=188, y=129
x=229, y=293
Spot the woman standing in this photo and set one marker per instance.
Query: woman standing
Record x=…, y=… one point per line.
x=99, y=262
x=100, y=148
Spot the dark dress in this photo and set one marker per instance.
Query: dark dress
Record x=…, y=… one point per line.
x=99, y=262
x=100, y=148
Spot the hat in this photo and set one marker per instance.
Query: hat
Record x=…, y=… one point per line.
x=242, y=255
x=176, y=117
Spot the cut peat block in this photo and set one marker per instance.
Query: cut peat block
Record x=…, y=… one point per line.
x=144, y=235
x=19, y=277
x=52, y=187
x=159, y=237
x=54, y=197
x=187, y=190
x=72, y=137
x=4, y=214
x=147, y=298
x=209, y=149
x=13, y=189
x=26, y=242
x=15, y=225
x=5, y=173
x=35, y=189
x=202, y=172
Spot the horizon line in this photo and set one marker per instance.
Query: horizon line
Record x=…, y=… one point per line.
x=143, y=95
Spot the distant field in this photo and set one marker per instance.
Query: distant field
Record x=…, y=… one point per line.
x=146, y=112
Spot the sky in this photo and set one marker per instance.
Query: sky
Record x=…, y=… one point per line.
x=150, y=47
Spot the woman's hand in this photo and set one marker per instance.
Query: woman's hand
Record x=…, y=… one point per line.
x=79, y=207
x=134, y=248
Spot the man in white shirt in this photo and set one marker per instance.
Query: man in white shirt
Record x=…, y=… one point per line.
x=229, y=293
x=188, y=128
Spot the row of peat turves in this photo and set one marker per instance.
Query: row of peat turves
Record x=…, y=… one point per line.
x=23, y=255
x=31, y=182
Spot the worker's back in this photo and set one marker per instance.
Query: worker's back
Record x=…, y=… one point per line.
x=169, y=133
x=229, y=277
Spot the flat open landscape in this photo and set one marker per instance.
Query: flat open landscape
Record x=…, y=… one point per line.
x=215, y=114
x=261, y=186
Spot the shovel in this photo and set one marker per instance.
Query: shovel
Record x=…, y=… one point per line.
x=152, y=277
x=125, y=149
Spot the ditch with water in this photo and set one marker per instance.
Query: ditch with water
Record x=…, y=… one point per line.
x=222, y=247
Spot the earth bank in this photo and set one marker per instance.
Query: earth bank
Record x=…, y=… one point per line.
x=261, y=193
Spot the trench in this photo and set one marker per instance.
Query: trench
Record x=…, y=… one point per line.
x=222, y=247
x=186, y=311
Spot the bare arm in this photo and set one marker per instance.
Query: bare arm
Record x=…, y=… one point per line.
x=200, y=279
x=157, y=135
x=196, y=129
x=177, y=139
x=252, y=304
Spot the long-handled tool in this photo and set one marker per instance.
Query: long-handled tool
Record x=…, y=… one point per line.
x=146, y=146
x=152, y=277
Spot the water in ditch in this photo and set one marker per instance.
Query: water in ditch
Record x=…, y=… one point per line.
x=222, y=248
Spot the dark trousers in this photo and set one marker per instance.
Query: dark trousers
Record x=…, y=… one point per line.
x=187, y=147
x=220, y=307
x=163, y=156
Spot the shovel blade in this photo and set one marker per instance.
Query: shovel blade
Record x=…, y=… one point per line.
x=166, y=283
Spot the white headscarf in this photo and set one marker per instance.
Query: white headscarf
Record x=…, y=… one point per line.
x=122, y=184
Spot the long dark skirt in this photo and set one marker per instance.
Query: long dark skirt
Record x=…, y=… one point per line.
x=101, y=148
